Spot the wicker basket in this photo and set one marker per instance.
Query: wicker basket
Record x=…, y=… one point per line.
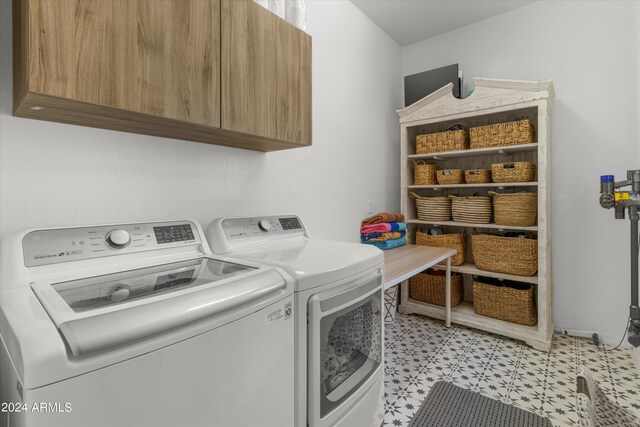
x=515, y=208
x=453, y=240
x=424, y=173
x=509, y=255
x=450, y=176
x=477, y=176
x=498, y=135
x=472, y=209
x=505, y=303
x=431, y=288
x=436, y=208
x=442, y=141
x=513, y=172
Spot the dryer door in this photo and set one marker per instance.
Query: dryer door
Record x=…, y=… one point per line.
x=345, y=343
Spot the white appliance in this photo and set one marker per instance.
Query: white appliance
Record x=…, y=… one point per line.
x=140, y=325
x=338, y=306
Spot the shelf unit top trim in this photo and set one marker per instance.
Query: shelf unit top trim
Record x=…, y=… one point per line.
x=488, y=93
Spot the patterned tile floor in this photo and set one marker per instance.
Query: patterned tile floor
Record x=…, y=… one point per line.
x=420, y=351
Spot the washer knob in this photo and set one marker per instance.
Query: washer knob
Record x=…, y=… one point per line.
x=265, y=225
x=118, y=239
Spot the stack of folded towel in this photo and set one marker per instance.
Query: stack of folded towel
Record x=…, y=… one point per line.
x=384, y=230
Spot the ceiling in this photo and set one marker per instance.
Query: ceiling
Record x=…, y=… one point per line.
x=410, y=21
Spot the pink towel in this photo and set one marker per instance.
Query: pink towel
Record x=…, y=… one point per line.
x=375, y=228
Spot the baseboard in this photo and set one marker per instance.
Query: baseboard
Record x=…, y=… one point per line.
x=636, y=355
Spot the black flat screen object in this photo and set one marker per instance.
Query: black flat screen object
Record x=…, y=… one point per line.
x=417, y=86
x=173, y=233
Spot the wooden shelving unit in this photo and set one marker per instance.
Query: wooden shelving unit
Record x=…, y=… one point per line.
x=493, y=101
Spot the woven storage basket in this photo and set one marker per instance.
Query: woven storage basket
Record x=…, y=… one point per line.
x=498, y=135
x=513, y=172
x=477, y=176
x=450, y=176
x=424, y=173
x=431, y=289
x=436, y=208
x=505, y=303
x=453, y=241
x=509, y=255
x=473, y=209
x=515, y=208
x=442, y=141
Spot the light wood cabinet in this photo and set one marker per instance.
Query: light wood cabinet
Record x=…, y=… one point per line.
x=154, y=67
x=493, y=101
x=266, y=74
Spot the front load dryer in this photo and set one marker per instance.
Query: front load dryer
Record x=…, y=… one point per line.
x=140, y=325
x=338, y=306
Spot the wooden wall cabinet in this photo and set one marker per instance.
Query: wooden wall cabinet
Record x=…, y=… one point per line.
x=155, y=67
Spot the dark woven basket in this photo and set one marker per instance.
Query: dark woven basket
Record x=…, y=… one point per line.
x=501, y=134
x=442, y=141
x=452, y=241
x=505, y=303
x=431, y=289
x=509, y=255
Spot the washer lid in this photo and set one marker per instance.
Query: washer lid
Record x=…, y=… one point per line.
x=315, y=262
x=100, y=312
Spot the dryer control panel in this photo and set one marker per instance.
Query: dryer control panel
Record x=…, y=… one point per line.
x=268, y=226
x=42, y=247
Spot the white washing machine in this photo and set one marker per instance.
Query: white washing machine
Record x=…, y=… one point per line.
x=338, y=305
x=139, y=325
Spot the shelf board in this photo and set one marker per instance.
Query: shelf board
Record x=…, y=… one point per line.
x=468, y=268
x=498, y=185
x=508, y=149
x=463, y=314
x=471, y=225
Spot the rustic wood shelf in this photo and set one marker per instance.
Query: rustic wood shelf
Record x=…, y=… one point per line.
x=490, y=151
x=470, y=225
x=463, y=314
x=468, y=268
x=498, y=185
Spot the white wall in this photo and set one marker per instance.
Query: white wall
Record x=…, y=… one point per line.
x=55, y=174
x=587, y=49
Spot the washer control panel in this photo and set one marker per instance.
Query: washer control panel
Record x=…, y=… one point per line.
x=42, y=247
x=249, y=228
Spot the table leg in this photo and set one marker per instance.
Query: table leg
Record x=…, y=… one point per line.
x=448, y=293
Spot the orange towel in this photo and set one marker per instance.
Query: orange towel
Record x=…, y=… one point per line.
x=383, y=217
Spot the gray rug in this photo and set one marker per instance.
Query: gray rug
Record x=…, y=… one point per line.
x=448, y=405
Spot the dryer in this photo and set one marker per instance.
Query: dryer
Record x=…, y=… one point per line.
x=338, y=306
x=139, y=324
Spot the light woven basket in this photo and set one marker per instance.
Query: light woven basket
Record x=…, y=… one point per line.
x=505, y=303
x=437, y=208
x=450, y=176
x=515, y=208
x=501, y=134
x=431, y=289
x=452, y=240
x=509, y=255
x=471, y=209
x=477, y=176
x=442, y=141
x=513, y=172
x=424, y=173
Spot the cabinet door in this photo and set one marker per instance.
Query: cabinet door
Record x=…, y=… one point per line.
x=266, y=74
x=156, y=57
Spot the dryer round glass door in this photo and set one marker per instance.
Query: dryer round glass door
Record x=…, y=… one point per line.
x=349, y=341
